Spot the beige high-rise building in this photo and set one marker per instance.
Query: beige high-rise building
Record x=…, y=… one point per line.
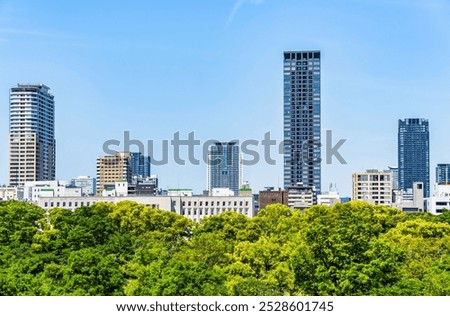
x=113, y=168
x=373, y=186
x=31, y=134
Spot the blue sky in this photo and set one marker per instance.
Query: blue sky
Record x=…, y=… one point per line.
x=215, y=67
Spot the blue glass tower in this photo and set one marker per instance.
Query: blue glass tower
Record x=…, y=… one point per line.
x=443, y=173
x=140, y=165
x=301, y=71
x=414, y=153
x=224, y=166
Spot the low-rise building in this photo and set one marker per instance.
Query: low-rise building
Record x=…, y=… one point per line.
x=411, y=200
x=373, y=186
x=271, y=196
x=192, y=207
x=439, y=201
x=119, y=188
x=328, y=198
x=33, y=190
x=8, y=193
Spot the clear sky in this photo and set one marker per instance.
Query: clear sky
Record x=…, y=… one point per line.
x=215, y=67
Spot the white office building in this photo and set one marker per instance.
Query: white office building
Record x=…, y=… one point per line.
x=8, y=193
x=193, y=207
x=439, y=201
x=33, y=190
x=328, y=198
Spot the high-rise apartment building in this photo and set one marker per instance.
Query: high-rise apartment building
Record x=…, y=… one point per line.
x=140, y=166
x=302, y=152
x=224, y=166
x=31, y=134
x=443, y=173
x=414, y=153
x=373, y=186
x=111, y=169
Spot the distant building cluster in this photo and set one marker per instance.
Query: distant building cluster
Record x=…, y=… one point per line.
x=128, y=175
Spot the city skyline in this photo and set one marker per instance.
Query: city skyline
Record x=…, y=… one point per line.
x=370, y=81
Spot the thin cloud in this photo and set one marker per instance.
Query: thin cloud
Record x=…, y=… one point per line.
x=238, y=4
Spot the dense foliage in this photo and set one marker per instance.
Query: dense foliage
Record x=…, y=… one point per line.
x=129, y=249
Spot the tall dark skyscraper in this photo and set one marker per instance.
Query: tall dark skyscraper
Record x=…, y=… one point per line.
x=31, y=134
x=224, y=166
x=414, y=153
x=301, y=71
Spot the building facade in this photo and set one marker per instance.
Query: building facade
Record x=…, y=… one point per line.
x=373, y=186
x=443, y=173
x=440, y=200
x=224, y=166
x=394, y=171
x=271, y=196
x=31, y=134
x=87, y=185
x=414, y=153
x=329, y=198
x=411, y=200
x=32, y=191
x=301, y=104
x=301, y=196
x=8, y=193
x=140, y=166
x=193, y=207
x=111, y=169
